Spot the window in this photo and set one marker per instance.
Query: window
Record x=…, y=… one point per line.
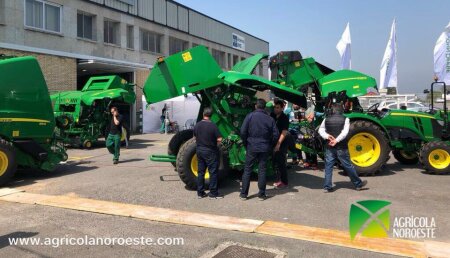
x=229, y=61
x=235, y=59
x=130, y=36
x=43, y=15
x=85, y=26
x=111, y=32
x=219, y=56
x=150, y=41
x=176, y=45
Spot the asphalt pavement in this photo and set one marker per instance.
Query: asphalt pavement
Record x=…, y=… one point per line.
x=137, y=180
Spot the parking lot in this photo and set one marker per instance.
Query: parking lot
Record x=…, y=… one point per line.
x=138, y=181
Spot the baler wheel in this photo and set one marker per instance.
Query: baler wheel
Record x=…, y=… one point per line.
x=63, y=121
x=177, y=140
x=406, y=157
x=8, y=163
x=87, y=144
x=187, y=162
x=368, y=147
x=435, y=157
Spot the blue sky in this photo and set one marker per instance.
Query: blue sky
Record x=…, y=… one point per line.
x=315, y=27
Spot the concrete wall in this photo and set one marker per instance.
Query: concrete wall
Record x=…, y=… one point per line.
x=60, y=72
x=141, y=77
x=16, y=33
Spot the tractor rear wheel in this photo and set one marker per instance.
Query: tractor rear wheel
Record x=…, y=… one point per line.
x=435, y=157
x=368, y=147
x=406, y=157
x=187, y=163
x=8, y=163
x=177, y=140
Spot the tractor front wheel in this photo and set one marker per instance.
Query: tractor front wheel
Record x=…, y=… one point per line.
x=187, y=165
x=8, y=164
x=435, y=157
x=87, y=144
x=368, y=147
x=406, y=157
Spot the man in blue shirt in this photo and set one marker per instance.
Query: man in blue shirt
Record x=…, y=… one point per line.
x=259, y=134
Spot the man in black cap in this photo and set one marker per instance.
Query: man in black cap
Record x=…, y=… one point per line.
x=335, y=129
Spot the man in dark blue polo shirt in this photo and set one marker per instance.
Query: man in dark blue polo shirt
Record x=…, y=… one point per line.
x=259, y=134
x=207, y=136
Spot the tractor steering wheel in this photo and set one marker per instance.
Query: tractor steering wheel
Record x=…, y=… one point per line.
x=373, y=108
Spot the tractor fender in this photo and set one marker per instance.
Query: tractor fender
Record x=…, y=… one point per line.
x=365, y=117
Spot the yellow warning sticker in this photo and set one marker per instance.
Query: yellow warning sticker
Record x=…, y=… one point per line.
x=16, y=133
x=186, y=57
x=297, y=64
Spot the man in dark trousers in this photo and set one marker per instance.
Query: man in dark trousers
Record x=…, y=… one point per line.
x=335, y=129
x=207, y=136
x=115, y=133
x=259, y=134
x=281, y=147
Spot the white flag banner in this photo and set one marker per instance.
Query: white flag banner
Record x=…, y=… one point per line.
x=388, y=71
x=442, y=56
x=344, y=48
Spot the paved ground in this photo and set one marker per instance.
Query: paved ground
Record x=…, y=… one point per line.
x=137, y=180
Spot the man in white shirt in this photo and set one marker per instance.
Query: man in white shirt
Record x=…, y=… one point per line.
x=335, y=129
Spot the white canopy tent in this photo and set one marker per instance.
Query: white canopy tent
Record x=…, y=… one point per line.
x=180, y=109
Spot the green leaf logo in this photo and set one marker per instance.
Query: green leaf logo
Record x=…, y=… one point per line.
x=370, y=218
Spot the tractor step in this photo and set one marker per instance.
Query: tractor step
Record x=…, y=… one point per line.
x=163, y=158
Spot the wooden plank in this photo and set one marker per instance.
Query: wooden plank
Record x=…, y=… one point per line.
x=198, y=219
x=342, y=238
x=25, y=198
x=437, y=249
x=152, y=213
x=8, y=191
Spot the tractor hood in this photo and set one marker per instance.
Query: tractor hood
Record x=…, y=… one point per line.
x=88, y=97
x=260, y=83
x=248, y=65
x=113, y=94
x=355, y=84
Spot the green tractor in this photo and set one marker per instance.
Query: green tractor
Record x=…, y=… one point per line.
x=373, y=133
x=435, y=154
x=232, y=95
x=84, y=114
x=27, y=123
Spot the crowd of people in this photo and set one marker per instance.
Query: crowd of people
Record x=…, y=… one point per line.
x=264, y=134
